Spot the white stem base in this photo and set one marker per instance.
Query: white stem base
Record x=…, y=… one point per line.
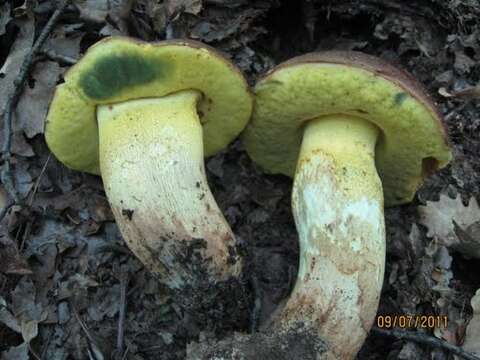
x=338, y=208
x=151, y=159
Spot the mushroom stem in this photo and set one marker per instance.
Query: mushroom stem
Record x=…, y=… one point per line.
x=152, y=165
x=337, y=204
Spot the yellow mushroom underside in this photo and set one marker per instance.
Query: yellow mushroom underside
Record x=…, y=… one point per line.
x=411, y=142
x=117, y=69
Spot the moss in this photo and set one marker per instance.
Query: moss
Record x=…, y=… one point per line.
x=113, y=73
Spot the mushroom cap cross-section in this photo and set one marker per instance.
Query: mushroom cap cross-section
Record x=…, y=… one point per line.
x=412, y=142
x=143, y=115
x=118, y=69
x=351, y=129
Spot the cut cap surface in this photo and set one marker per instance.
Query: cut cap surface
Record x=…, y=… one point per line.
x=117, y=69
x=412, y=143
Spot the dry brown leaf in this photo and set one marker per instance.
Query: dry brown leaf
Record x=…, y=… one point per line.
x=19, y=352
x=4, y=17
x=92, y=10
x=3, y=197
x=7, y=318
x=187, y=6
x=472, y=337
x=11, y=262
x=64, y=44
x=98, y=11
x=10, y=69
x=33, y=104
x=446, y=218
x=468, y=93
x=20, y=145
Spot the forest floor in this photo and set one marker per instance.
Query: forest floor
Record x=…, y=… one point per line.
x=63, y=263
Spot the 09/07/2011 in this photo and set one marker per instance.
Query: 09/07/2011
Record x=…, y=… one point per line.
x=412, y=321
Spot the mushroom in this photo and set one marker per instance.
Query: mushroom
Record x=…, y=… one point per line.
x=351, y=129
x=143, y=116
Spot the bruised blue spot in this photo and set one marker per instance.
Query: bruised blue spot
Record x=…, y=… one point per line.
x=400, y=98
x=113, y=73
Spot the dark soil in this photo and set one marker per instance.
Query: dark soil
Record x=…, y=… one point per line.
x=62, y=258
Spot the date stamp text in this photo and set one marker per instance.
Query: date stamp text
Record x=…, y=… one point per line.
x=412, y=321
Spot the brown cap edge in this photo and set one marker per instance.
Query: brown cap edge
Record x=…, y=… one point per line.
x=372, y=64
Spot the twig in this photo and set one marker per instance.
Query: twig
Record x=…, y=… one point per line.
x=7, y=207
x=425, y=340
x=52, y=55
x=257, y=305
x=121, y=316
x=28, y=227
x=35, y=355
x=6, y=173
x=94, y=350
x=37, y=182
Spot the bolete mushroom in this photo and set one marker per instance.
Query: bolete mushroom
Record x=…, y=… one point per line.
x=143, y=116
x=351, y=129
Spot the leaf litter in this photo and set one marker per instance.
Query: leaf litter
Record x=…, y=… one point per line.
x=58, y=289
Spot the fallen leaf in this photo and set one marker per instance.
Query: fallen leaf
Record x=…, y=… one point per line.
x=463, y=63
x=415, y=241
x=447, y=218
x=208, y=31
x=11, y=262
x=19, y=352
x=28, y=311
x=64, y=44
x=472, y=342
x=110, y=30
x=215, y=165
x=20, y=145
x=93, y=10
x=10, y=69
x=159, y=15
x=3, y=197
x=33, y=104
x=469, y=239
x=4, y=17
x=7, y=318
x=411, y=351
x=188, y=6
x=73, y=284
x=468, y=93
x=23, y=178
x=98, y=11
x=29, y=330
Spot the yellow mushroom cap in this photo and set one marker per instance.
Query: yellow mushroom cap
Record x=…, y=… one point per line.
x=117, y=69
x=412, y=143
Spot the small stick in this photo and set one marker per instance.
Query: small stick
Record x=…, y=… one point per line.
x=425, y=340
x=5, y=209
x=257, y=307
x=52, y=55
x=93, y=349
x=122, y=312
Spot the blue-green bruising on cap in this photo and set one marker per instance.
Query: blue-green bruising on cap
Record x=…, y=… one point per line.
x=113, y=73
x=400, y=98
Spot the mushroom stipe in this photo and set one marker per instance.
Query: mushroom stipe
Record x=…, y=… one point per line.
x=118, y=69
x=129, y=111
x=352, y=130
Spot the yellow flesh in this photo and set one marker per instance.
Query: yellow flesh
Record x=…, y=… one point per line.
x=119, y=69
x=290, y=96
x=151, y=159
x=337, y=203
